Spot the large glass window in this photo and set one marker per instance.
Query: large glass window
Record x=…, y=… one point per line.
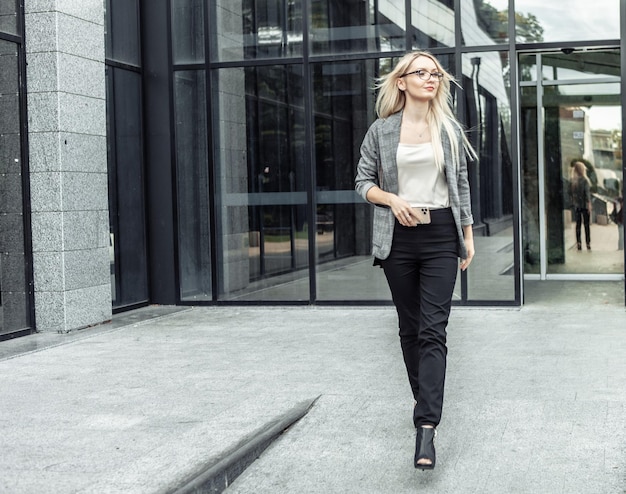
x=488, y=118
x=281, y=166
x=256, y=29
x=194, y=241
x=128, y=251
x=187, y=31
x=260, y=159
x=529, y=160
x=128, y=248
x=357, y=26
x=344, y=109
x=122, y=40
x=579, y=65
x=568, y=117
x=14, y=295
x=8, y=16
x=432, y=24
x=577, y=20
x=485, y=22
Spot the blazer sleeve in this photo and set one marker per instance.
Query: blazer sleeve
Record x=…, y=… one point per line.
x=465, y=200
x=369, y=162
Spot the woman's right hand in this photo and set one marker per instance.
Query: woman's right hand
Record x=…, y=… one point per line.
x=402, y=210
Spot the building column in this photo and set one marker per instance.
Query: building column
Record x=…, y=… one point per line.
x=68, y=163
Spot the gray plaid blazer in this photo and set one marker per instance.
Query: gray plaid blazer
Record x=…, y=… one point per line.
x=377, y=166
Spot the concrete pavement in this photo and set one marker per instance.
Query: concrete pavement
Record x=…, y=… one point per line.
x=535, y=402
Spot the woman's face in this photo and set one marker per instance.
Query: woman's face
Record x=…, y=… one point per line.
x=412, y=83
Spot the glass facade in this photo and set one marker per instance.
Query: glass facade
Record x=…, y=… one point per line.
x=357, y=26
x=188, y=31
x=269, y=124
x=571, y=110
x=484, y=22
x=122, y=31
x=192, y=185
x=261, y=180
x=8, y=17
x=15, y=252
x=488, y=117
x=128, y=244
x=341, y=95
x=432, y=24
x=266, y=205
x=253, y=29
x=580, y=20
x=233, y=141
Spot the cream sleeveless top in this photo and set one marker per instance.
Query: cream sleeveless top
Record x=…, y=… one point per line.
x=420, y=182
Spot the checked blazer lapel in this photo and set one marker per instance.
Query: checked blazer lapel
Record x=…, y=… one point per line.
x=388, y=142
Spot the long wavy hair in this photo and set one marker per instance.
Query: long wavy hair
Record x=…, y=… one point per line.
x=440, y=117
x=581, y=171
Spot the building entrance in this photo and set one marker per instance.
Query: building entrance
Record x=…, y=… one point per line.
x=570, y=111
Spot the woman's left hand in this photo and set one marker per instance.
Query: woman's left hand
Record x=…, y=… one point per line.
x=469, y=245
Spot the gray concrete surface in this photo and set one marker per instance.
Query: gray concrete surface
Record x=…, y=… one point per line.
x=535, y=402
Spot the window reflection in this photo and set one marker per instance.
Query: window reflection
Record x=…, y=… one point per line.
x=484, y=22
x=246, y=29
x=263, y=223
x=580, y=65
x=487, y=103
x=432, y=24
x=122, y=33
x=127, y=239
x=192, y=185
x=527, y=67
x=530, y=180
x=582, y=122
x=8, y=16
x=127, y=236
x=578, y=20
x=344, y=108
x=565, y=118
x=357, y=26
x=187, y=31
x=13, y=287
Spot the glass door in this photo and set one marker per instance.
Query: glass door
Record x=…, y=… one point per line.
x=571, y=113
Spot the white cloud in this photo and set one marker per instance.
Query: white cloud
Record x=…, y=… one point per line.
x=605, y=117
x=574, y=20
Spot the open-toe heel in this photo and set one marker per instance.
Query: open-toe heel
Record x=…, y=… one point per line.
x=425, y=447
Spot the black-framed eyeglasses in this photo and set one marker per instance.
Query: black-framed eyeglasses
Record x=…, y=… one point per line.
x=425, y=75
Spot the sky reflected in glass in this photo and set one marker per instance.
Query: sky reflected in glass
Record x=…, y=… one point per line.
x=575, y=20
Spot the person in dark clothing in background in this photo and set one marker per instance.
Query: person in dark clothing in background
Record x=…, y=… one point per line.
x=581, y=200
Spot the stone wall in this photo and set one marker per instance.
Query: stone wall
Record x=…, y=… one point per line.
x=68, y=162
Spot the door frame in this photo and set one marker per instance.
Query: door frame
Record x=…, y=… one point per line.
x=540, y=84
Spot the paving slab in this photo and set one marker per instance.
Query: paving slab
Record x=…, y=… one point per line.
x=535, y=402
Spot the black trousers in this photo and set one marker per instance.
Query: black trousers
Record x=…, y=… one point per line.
x=421, y=271
x=582, y=216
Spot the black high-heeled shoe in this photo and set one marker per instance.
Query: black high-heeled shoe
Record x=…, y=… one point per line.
x=425, y=447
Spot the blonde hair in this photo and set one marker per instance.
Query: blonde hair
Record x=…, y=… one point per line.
x=391, y=99
x=581, y=170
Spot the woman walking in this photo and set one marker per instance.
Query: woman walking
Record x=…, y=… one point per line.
x=413, y=168
x=581, y=198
